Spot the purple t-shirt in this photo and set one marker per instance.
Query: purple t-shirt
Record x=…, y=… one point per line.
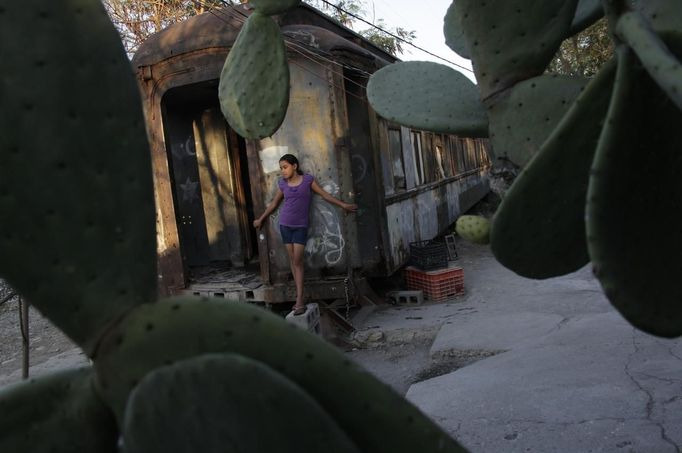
x=294, y=212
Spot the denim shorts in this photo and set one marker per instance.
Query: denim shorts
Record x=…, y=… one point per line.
x=293, y=235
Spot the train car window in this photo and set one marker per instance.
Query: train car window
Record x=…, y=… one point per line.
x=395, y=149
x=418, y=158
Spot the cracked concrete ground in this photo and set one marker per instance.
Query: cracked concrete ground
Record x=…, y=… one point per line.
x=569, y=373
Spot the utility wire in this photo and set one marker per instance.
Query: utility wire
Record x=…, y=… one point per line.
x=394, y=35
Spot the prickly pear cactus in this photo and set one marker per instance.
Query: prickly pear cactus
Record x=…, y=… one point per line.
x=444, y=100
x=84, y=254
x=254, y=83
x=473, y=228
x=77, y=238
x=601, y=169
x=170, y=408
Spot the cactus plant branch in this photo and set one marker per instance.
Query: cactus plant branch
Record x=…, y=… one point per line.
x=587, y=13
x=659, y=61
x=211, y=403
x=86, y=251
x=633, y=215
x=538, y=230
x=525, y=115
x=176, y=329
x=443, y=101
x=59, y=413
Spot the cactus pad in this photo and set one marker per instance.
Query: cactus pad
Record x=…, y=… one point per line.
x=271, y=7
x=512, y=40
x=587, y=13
x=661, y=64
x=59, y=413
x=539, y=228
x=473, y=228
x=441, y=100
x=228, y=403
x=254, y=83
x=664, y=16
x=522, y=119
x=159, y=334
x=454, y=34
x=77, y=235
x=634, y=199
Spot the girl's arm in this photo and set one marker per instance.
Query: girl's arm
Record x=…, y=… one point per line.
x=279, y=196
x=330, y=199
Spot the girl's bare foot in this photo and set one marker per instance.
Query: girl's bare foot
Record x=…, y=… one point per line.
x=298, y=310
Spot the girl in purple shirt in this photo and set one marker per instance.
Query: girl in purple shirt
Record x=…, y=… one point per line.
x=296, y=188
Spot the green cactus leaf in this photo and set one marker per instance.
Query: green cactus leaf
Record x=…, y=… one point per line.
x=539, y=228
x=664, y=16
x=522, y=118
x=587, y=13
x=77, y=236
x=159, y=334
x=634, y=200
x=271, y=7
x=512, y=40
x=454, y=34
x=254, y=83
x=429, y=96
x=226, y=403
x=473, y=228
x=57, y=413
x=661, y=64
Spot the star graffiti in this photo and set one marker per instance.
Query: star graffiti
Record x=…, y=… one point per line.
x=189, y=190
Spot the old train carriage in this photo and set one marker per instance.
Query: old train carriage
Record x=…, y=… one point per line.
x=410, y=185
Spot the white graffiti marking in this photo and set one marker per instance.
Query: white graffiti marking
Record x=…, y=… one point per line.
x=189, y=190
x=325, y=236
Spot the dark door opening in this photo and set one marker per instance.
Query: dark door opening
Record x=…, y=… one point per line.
x=364, y=173
x=210, y=180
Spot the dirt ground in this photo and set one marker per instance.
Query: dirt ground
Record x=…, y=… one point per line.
x=47, y=343
x=399, y=361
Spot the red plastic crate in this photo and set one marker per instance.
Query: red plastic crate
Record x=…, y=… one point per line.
x=437, y=285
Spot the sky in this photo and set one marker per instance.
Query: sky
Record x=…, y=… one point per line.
x=426, y=19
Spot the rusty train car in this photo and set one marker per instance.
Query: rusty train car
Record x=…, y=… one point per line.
x=410, y=185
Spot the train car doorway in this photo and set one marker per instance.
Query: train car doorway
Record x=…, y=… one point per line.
x=210, y=180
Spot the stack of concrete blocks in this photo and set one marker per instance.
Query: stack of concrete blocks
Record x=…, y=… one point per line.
x=310, y=320
x=406, y=297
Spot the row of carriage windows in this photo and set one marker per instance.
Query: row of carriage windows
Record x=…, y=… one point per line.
x=418, y=158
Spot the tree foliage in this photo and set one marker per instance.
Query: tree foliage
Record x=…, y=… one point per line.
x=387, y=40
x=137, y=19
x=390, y=40
x=583, y=54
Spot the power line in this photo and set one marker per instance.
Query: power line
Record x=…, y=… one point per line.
x=394, y=35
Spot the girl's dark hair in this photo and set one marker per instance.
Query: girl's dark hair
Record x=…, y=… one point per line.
x=291, y=160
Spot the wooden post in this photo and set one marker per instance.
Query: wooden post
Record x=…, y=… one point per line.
x=23, y=323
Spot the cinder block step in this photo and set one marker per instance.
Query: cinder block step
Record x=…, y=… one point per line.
x=310, y=320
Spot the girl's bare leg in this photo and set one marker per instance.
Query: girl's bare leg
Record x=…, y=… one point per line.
x=296, y=261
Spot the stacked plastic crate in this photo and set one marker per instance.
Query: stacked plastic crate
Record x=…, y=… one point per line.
x=430, y=273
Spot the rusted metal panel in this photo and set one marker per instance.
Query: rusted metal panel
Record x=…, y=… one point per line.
x=427, y=214
x=309, y=133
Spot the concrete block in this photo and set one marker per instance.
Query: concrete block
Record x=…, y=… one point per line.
x=310, y=320
x=407, y=297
